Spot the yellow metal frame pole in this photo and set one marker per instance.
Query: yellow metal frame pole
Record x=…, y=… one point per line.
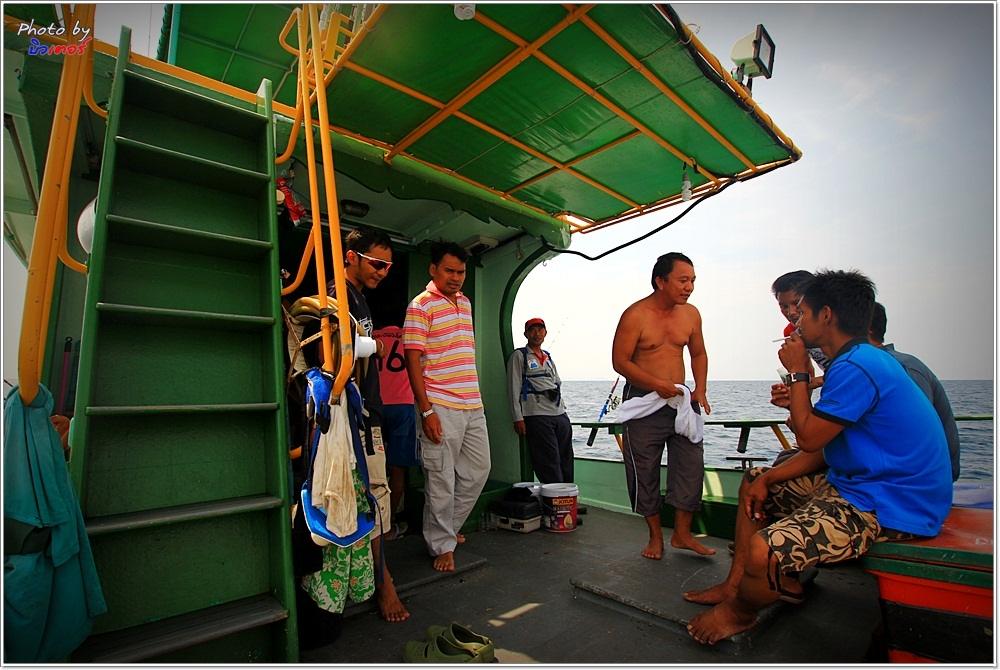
x=38, y=292
x=88, y=89
x=316, y=237
x=86, y=16
x=596, y=95
x=332, y=211
x=781, y=438
x=303, y=264
x=660, y=85
x=494, y=74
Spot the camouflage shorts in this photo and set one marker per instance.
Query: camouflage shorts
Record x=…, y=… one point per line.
x=815, y=525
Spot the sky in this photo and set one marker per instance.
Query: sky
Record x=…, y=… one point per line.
x=892, y=106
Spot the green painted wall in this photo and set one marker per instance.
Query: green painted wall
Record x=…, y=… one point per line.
x=503, y=269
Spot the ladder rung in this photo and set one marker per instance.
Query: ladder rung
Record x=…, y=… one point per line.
x=185, y=167
x=132, y=410
x=140, y=231
x=182, y=631
x=181, y=513
x=220, y=106
x=167, y=316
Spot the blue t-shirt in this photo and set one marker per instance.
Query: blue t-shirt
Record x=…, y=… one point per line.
x=892, y=456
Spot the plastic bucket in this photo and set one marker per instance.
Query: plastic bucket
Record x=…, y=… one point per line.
x=536, y=488
x=559, y=507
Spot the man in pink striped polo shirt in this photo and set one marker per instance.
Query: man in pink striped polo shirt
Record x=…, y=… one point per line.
x=441, y=363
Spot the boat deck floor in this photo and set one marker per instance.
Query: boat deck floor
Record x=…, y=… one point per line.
x=589, y=597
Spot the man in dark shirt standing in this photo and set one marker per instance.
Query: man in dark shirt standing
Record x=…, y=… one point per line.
x=367, y=258
x=925, y=379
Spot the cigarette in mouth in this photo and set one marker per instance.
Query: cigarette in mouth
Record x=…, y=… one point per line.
x=782, y=339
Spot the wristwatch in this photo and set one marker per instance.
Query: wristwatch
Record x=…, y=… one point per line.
x=430, y=410
x=798, y=377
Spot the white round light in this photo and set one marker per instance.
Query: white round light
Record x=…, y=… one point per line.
x=85, y=225
x=464, y=12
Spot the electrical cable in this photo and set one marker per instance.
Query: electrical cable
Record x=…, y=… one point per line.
x=652, y=232
x=548, y=246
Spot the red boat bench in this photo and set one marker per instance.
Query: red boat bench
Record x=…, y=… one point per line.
x=937, y=595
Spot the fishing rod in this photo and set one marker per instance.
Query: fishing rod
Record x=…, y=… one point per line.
x=604, y=410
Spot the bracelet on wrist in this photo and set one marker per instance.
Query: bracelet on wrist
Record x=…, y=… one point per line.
x=426, y=413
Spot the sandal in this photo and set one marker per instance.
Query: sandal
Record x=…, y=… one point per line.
x=463, y=638
x=397, y=531
x=439, y=650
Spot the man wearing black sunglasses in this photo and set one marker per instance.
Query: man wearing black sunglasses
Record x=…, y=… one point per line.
x=367, y=259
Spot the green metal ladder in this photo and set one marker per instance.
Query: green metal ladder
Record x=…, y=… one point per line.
x=179, y=441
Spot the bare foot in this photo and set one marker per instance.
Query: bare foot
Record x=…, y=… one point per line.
x=691, y=544
x=719, y=623
x=713, y=595
x=459, y=538
x=654, y=549
x=389, y=605
x=445, y=562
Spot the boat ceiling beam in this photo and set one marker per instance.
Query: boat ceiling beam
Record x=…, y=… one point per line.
x=494, y=74
x=212, y=44
x=402, y=88
x=451, y=173
x=578, y=159
x=359, y=35
x=596, y=95
x=660, y=85
x=239, y=40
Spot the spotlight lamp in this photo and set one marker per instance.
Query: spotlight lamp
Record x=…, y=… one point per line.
x=753, y=55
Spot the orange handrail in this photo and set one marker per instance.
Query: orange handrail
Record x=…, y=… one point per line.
x=316, y=236
x=287, y=28
x=86, y=16
x=88, y=89
x=293, y=136
x=41, y=263
x=340, y=281
x=303, y=264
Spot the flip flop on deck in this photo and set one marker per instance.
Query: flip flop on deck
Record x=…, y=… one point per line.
x=806, y=579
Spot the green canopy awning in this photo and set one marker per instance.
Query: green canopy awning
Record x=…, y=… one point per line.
x=591, y=110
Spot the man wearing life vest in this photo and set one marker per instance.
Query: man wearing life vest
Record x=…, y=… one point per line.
x=537, y=407
x=648, y=351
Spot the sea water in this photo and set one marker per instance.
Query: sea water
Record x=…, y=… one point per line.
x=750, y=400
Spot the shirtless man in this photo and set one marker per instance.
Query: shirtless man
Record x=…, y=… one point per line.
x=648, y=351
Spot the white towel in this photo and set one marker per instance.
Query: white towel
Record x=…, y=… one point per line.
x=333, y=484
x=689, y=423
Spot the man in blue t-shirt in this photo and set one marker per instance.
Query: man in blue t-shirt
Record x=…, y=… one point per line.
x=889, y=471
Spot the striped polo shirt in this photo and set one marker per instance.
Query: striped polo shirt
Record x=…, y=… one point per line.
x=442, y=331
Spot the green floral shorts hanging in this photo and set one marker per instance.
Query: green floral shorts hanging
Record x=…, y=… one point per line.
x=347, y=571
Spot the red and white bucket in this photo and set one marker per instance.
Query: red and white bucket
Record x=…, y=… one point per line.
x=559, y=507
